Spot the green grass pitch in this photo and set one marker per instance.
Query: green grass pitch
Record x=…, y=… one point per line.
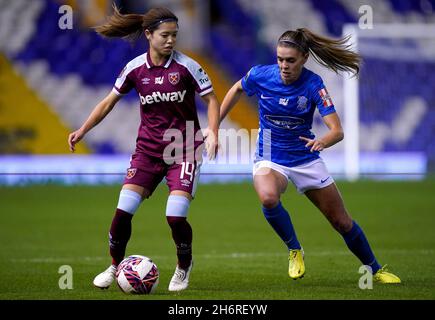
x=237, y=255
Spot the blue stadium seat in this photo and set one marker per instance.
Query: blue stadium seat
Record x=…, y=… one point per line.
x=405, y=6
x=335, y=15
x=234, y=39
x=106, y=147
x=96, y=60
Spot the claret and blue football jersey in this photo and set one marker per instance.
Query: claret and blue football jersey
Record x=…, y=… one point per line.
x=286, y=112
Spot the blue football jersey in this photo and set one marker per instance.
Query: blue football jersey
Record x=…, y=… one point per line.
x=286, y=111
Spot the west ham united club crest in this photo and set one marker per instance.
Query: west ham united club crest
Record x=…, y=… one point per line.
x=130, y=173
x=174, y=77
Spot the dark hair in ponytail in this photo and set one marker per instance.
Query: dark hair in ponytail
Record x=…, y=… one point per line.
x=132, y=26
x=333, y=54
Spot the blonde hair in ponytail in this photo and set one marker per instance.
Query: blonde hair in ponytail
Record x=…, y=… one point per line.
x=334, y=54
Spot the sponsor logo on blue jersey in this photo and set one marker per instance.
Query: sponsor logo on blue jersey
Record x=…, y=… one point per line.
x=284, y=122
x=287, y=111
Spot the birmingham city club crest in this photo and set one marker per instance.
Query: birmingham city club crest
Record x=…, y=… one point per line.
x=302, y=103
x=174, y=77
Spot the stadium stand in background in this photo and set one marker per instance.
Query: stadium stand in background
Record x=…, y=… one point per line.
x=51, y=78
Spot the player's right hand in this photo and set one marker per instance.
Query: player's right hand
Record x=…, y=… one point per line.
x=211, y=143
x=314, y=144
x=73, y=138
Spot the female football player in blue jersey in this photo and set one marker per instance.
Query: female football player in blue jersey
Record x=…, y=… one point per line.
x=288, y=95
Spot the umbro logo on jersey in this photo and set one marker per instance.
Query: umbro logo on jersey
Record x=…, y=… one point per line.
x=158, y=96
x=158, y=80
x=146, y=80
x=265, y=97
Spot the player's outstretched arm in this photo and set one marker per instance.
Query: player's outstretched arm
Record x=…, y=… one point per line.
x=231, y=98
x=211, y=133
x=100, y=111
x=334, y=135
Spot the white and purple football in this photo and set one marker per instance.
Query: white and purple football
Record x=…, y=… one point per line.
x=137, y=274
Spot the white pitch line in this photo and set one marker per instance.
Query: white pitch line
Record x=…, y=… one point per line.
x=234, y=255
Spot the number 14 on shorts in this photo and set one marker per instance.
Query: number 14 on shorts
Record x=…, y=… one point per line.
x=187, y=169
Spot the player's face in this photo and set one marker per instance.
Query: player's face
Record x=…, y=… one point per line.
x=290, y=62
x=163, y=39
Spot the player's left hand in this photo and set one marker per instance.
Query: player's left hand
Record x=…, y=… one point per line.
x=316, y=145
x=211, y=143
x=74, y=138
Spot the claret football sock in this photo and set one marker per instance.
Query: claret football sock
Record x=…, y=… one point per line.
x=182, y=235
x=358, y=244
x=280, y=221
x=120, y=232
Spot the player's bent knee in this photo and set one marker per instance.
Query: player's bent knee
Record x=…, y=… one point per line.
x=341, y=225
x=129, y=201
x=176, y=222
x=269, y=200
x=177, y=206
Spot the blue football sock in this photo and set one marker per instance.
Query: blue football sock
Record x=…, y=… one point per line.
x=358, y=244
x=280, y=221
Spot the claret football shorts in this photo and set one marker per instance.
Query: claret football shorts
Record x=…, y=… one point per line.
x=147, y=171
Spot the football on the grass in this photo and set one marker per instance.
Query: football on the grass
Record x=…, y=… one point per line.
x=137, y=274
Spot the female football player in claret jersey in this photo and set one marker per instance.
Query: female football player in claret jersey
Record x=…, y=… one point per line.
x=288, y=95
x=166, y=81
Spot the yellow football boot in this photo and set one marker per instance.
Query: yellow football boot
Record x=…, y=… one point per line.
x=296, y=267
x=383, y=276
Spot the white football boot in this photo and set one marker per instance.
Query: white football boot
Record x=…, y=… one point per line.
x=180, y=279
x=105, y=278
